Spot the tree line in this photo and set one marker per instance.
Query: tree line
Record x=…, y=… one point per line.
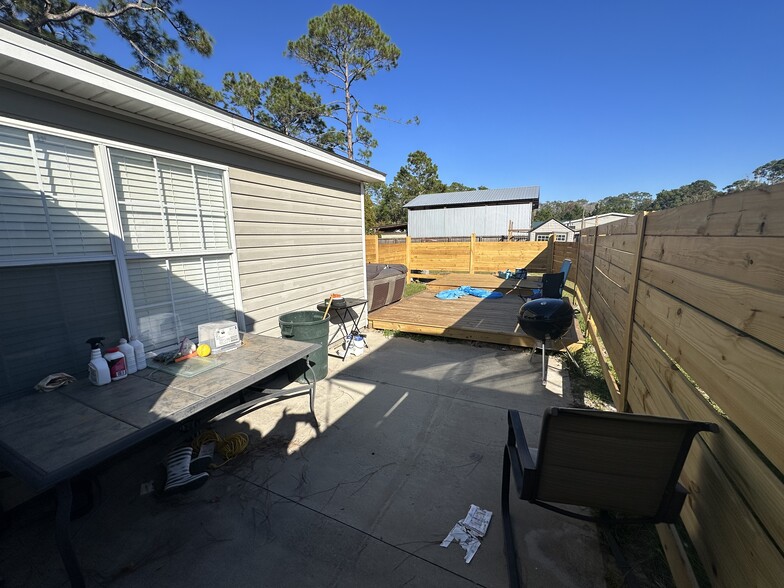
x=633, y=202
x=419, y=175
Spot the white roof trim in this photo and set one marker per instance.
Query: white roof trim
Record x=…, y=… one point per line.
x=119, y=91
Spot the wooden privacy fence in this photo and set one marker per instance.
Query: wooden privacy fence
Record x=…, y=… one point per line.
x=689, y=306
x=471, y=256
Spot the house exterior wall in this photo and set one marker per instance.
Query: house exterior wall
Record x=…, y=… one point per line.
x=484, y=220
x=593, y=221
x=299, y=233
x=296, y=243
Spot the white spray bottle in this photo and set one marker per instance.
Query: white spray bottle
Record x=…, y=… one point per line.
x=138, y=347
x=98, y=368
x=130, y=356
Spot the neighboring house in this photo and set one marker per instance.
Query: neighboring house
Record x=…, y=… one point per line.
x=394, y=231
x=599, y=219
x=129, y=208
x=541, y=231
x=487, y=213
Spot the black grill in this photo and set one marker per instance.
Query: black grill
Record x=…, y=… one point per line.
x=546, y=318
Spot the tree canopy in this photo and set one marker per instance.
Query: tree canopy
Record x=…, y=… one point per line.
x=688, y=194
x=154, y=30
x=279, y=103
x=770, y=173
x=418, y=176
x=342, y=47
x=563, y=210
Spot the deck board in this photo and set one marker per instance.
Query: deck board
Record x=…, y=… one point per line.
x=492, y=320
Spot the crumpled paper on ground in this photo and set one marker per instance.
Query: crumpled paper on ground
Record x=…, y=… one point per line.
x=467, y=531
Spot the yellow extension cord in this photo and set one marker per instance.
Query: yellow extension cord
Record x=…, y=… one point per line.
x=229, y=448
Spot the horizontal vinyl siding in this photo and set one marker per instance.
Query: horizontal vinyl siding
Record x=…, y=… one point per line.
x=297, y=242
x=32, y=106
x=484, y=220
x=299, y=232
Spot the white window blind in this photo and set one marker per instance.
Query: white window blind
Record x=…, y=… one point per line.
x=174, y=208
x=166, y=205
x=51, y=201
x=173, y=296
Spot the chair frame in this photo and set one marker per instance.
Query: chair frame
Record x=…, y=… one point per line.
x=521, y=464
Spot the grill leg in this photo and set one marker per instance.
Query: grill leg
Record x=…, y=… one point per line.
x=544, y=366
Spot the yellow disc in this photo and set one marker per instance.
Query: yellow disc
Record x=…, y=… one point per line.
x=203, y=350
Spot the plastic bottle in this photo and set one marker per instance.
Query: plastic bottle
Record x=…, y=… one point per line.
x=130, y=356
x=116, y=360
x=138, y=347
x=98, y=368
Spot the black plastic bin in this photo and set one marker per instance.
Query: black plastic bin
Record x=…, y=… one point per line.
x=310, y=327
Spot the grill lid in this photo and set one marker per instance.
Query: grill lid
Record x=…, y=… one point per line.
x=546, y=317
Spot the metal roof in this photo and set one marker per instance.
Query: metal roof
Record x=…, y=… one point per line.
x=66, y=75
x=475, y=197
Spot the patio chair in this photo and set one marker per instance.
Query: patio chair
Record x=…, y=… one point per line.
x=621, y=462
x=544, y=292
x=552, y=287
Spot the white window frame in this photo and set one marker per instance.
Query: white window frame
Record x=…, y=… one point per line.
x=542, y=237
x=119, y=254
x=560, y=237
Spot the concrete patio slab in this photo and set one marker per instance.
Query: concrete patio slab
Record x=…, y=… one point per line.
x=410, y=435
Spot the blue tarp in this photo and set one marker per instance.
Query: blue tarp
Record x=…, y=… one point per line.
x=467, y=290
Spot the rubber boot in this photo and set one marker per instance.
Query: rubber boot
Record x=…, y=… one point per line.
x=201, y=462
x=178, y=475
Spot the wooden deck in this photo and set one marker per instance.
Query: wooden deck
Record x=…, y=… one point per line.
x=491, y=320
x=484, y=281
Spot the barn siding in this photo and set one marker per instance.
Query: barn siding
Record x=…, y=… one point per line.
x=483, y=220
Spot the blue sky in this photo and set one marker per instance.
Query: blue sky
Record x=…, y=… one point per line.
x=585, y=99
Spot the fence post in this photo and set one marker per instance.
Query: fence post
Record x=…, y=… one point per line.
x=576, y=273
x=635, y=280
x=550, y=252
x=471, y=254
x=593, y=268
x=376, y=243
x=408, y=260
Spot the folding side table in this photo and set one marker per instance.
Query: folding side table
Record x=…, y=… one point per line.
x=347, y=315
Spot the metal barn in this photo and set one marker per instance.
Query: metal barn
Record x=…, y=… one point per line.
x=486, y=213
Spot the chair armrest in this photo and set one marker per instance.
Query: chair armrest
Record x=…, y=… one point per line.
x=522, y=463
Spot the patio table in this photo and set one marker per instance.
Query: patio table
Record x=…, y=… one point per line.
x=48, y=438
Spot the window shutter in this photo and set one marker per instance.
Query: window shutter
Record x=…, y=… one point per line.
x=139, y=201
x=213, y=208
x=167, y=205
x=173, y=297
x=64, y=213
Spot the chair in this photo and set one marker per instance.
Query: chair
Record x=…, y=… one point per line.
x=621, y=462
x=544, y=292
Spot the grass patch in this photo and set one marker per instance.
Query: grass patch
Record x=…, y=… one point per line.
x=413, y=288
x=588, y=385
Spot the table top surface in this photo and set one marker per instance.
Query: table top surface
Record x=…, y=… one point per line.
x=347, y=303
x=48, y=437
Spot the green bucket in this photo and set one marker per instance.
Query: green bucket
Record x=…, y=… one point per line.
x=307, y=326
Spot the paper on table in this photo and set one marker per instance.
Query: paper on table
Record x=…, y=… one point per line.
x=468, y=530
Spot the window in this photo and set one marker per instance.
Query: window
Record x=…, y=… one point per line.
x=542, y=236
x=51, y=200
x=176, y=213
x=147, y=243
x=560, y=237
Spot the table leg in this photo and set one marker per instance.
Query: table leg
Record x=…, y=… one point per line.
x=63, y=534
